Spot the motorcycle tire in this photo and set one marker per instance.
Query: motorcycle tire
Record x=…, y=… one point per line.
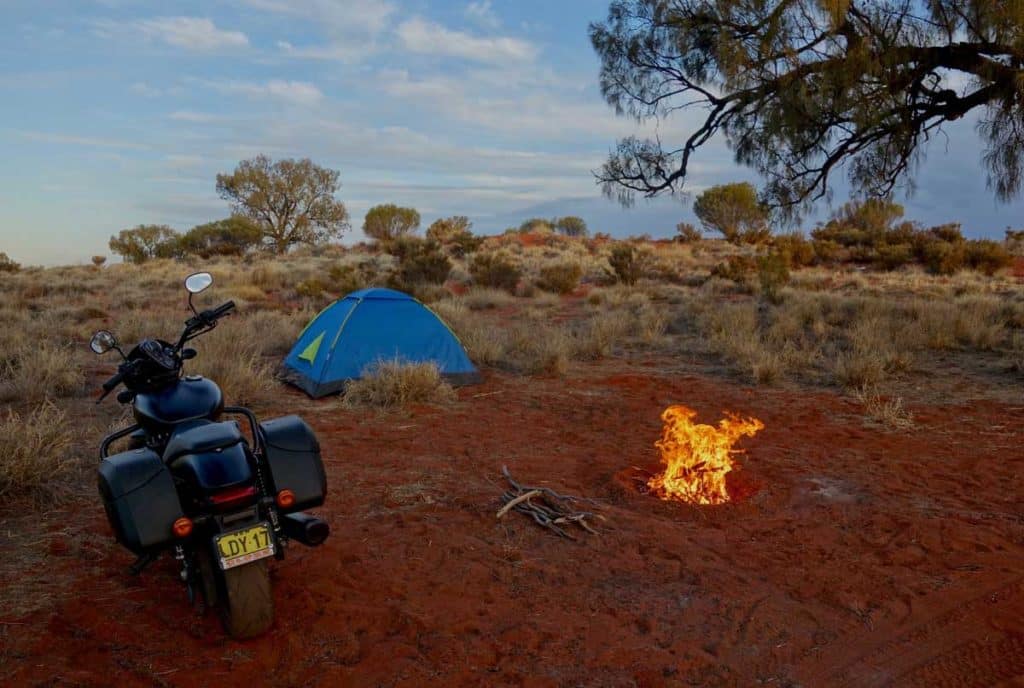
x=247, y=602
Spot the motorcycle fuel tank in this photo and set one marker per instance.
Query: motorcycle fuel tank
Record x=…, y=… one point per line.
x=190, y=398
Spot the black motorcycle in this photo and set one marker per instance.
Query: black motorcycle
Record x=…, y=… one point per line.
x=223, y=501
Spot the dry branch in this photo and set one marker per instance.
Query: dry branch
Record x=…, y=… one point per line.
x=550, y=510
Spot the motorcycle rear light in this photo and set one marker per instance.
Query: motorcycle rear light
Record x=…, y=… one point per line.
x=285, y=499
x=182, y=527
x=235, y=496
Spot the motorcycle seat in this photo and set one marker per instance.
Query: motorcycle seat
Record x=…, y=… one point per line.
x=197, y=439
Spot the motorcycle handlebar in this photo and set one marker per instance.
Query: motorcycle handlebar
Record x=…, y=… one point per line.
x=113, y=382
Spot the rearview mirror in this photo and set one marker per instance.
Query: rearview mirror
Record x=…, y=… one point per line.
x=102, y=342
x=198, y=282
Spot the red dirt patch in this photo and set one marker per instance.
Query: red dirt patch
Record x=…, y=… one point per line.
x=865, y=557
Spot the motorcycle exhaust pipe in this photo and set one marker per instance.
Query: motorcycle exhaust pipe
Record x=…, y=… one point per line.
x=309, y=530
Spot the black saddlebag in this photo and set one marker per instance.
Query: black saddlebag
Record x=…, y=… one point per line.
x=139, y=496
x=293, y=454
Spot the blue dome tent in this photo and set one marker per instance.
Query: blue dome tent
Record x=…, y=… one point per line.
x=368, y=326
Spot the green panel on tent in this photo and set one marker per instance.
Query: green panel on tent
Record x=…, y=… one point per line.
x=309, y=353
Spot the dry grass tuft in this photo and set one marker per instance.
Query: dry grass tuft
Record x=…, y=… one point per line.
x=33, y=370
x=390, y=384
x=35, y=451
x=887, y=411
x=231, y=358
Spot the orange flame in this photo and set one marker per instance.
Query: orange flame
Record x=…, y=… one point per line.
x=697, y=457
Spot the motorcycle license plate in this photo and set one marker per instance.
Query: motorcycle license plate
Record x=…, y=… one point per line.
x=243, y=546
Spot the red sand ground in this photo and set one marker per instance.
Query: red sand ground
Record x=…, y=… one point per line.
x=861, y=557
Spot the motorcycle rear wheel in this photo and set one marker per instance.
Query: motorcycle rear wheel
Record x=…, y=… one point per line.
x=247, y=605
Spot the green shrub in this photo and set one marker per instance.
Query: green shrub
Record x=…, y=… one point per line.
x=987, y=256
x=8, y=265
x=561, y=278
x=943, y=257
x=630, y=262
x=797, y=251
x=894, y=256
x=495, y=269
x=311, y=288
x=686, y=233
x=773, y=273
x=420, y=261
x=737, y=269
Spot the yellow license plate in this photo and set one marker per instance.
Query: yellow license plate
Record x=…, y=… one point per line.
x=243, y=546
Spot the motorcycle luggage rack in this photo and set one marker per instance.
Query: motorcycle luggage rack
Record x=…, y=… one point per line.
x=110, y=439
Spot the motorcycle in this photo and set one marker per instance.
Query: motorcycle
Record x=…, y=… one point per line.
x=221, y=499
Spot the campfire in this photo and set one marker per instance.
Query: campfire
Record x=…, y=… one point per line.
x=697, y=457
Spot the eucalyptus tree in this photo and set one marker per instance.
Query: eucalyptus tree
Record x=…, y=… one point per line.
x=801, y=90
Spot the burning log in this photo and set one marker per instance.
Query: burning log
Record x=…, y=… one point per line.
x=550, y=510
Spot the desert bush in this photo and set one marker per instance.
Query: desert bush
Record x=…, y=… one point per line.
x=894, y=256
x=420, y=261
x=390, y=384
x=98, y=261
x=797, y=251
x=773, y=274
x=454, y=235
x=560, y=278
x=495, y=269
x=987, y=256
x=311, y=289
x=36, y=450
x=942, y=257
x=736, y=269
x=686, y=233
x=8, y=265
x=629, y=262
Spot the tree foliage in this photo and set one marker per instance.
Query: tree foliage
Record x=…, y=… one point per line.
x=232, y=236
x=292, y=201
x=145, y=242
x=570, y=225
x=733, y=210
x=454, y=235
x=387, y=222
x=801, y=88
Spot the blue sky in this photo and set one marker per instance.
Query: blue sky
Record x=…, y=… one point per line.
x=121, y=112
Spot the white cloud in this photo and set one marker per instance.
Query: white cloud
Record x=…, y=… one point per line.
x=421, y=36
x=143, y=89
x=197, y=34
x=294, y=92
x=75, y=140
x=351, y=27
x=481, y=12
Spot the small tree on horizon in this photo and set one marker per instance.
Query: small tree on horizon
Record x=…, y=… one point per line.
x=572, y=226
x=735, y=211
x=292, y=201
x=387, y=222
x=144, y=242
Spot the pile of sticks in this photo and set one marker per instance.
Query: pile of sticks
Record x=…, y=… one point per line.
x=548, y=508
